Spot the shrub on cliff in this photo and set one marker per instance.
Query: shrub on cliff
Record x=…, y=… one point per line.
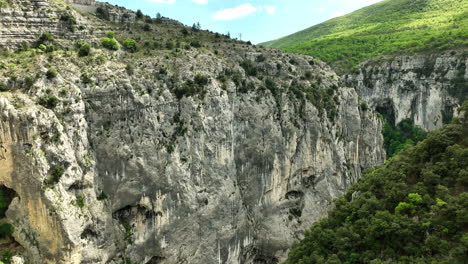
x=70, y=20
x=130, y=45
x=51, y=73
x=84, y=49
x=45, y=42
x=191, y=88
x=6, y=230
x=49, y=101
x=102, y=13
x=109, y=41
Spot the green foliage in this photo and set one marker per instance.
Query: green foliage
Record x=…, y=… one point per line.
x=6, y=230
x=401, y=136
x=102, y=13
x=102, y=196
x=49, y=101
x=42, y=47
x=80, y=201
x=45, y=38
x=201, y=79
x=5, y=3
x=3, y=204
x=110, y=43
x=6, y=257
x=191, y=88
x=84, y=49
x=110, y=34
x=54, y=176
x=45, y=42
x=139, y=14
x=249, y=67
x=388, y=27
x=130, y=45
x=323, y=99
x=412, y=209
x=70, y=20
x=147, y=27
x=51, y=73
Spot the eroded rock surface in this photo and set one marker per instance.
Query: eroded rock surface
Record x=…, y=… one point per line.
x=177, y=156
x=426, y=88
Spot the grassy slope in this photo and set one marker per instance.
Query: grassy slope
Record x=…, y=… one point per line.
x=388, y=27
x=413, y=209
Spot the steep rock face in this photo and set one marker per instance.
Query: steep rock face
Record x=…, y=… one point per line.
x=224, y=153
x=223, y=177
x=425, y=88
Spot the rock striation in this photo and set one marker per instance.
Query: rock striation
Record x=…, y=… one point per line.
x=426, y=88
x=224, y=153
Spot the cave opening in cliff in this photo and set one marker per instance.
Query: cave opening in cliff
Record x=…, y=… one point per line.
x=8, y=245
x=387, y=110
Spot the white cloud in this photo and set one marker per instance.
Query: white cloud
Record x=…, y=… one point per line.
x=337, y=14
x=271, y=10
x=236, y=12
x=170, y=2
x=201, y=2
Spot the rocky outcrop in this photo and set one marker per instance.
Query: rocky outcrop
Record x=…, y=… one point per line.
x=426, y=88
x=22, y=22
x=226, y=177
x=224, y=153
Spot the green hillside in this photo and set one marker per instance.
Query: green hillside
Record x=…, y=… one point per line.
x=412, y=209
x=388, y=27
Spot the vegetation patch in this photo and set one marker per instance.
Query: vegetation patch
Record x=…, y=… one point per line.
x=398, y=137
x=54, y=175
x=109, y=41
x=191, y=88
x=130, y=45
x=388, y=27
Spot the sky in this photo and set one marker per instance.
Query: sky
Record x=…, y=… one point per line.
x=254, y=20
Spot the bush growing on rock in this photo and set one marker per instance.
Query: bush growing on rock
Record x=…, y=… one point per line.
x=51, y=73
x=84, y=49
x=110, y=43
x=139, y=14
x=6, y=230
x=102, y=13
x=190, y=88
x=45, y=38
x=55, y=174
x=70, y=20
x=130, y=45
x=49, y=101
x=147, y=27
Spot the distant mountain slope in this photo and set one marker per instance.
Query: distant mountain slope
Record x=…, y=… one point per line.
x=388, y=27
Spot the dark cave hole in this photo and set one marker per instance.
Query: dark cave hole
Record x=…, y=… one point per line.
x=89, y=233
x=387, y=110
x=8, y=245
x=6, y=196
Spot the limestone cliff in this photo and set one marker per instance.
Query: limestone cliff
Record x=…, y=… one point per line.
x=426, y=88
x=217, y=152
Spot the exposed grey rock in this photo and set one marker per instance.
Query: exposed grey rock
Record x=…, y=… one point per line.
x=426, y=88
x=231, y=174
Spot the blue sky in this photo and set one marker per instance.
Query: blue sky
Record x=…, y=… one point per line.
x=256, y=20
